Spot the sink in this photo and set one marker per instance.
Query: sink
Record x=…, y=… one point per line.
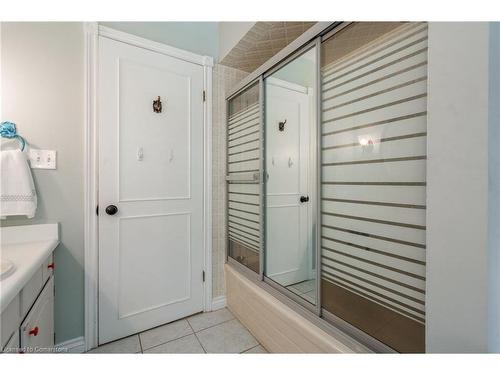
x=6, y=268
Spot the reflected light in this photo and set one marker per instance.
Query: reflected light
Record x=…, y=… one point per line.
x=365, y=141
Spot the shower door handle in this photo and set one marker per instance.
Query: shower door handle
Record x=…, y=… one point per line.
x=304, y=198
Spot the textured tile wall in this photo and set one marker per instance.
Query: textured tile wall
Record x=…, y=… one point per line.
x=263, y=41
x=223, y=79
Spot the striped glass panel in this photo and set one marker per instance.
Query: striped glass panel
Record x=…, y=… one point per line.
x=243, y=186
x=373, y=169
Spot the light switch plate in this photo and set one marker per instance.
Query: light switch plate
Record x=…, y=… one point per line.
x=43, y=159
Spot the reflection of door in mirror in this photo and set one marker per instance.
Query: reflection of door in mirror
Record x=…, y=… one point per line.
x=289, y=166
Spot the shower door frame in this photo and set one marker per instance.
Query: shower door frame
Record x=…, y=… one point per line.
x=324, y=319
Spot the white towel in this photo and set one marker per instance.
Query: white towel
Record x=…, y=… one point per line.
x=17, y=190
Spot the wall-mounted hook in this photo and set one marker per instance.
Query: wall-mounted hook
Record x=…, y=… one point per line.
x=281, y=125
x=157, y=106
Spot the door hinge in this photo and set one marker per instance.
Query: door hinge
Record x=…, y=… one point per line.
x=203, y=275
x=97, y=210
x=204, y=96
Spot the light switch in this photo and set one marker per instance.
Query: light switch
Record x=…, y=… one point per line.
x=43, y=159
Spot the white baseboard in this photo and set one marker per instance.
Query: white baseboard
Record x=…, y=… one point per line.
x=218, y=303
x=76, y=345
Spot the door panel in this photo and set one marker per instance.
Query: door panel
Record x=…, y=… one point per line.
x=166, y=258
x=163, y=137
x=151, y=168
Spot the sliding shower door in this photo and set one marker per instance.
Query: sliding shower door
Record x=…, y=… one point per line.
x=291, y=176
x=244, y=219
x=374, y=88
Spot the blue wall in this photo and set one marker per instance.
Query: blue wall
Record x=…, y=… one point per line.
x=198, y=37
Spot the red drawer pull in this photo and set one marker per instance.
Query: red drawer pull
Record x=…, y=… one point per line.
x=34, y=331
x=51, y=265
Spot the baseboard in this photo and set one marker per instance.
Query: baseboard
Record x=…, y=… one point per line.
x=218, y=303
x=76, y=345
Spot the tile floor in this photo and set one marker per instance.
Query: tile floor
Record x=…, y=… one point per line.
x=305, y=289
x=214, y=332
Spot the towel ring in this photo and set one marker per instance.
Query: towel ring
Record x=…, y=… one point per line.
x=8, y=130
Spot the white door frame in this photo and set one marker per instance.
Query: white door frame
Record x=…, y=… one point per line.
x=91, y=161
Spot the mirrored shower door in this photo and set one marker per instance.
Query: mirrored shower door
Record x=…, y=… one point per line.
x=290, y=176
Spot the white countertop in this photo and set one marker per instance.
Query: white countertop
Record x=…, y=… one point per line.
x=27, y=246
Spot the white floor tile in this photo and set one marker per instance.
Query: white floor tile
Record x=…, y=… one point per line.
x=165, y=333
x=228, y=337
x=205, y=320
x=127, y=345
x=187, y=344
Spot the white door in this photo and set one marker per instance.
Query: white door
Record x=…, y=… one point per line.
x=151, y=168
x=287, y=165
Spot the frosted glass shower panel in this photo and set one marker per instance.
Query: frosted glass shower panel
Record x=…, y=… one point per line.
x=243, y=178
x=374, y=130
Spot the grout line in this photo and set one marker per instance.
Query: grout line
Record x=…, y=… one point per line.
x=177, y=338
x=140, y=343
x=195, y=335
x=253, y=347
x=215, y=325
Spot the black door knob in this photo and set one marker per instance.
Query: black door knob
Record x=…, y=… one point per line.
x=111, y=209
x=304, y=199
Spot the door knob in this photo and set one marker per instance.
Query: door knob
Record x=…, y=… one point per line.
x=304, y=199
x=111, y=209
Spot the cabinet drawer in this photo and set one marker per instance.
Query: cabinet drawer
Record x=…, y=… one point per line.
x=30, y=291
x=11, y=317
x=47, y=268
x=37, y=330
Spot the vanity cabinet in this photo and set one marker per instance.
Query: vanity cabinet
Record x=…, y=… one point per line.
x=10, y=320
x=37, y=329
x=13, y=344
x=27, y=324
